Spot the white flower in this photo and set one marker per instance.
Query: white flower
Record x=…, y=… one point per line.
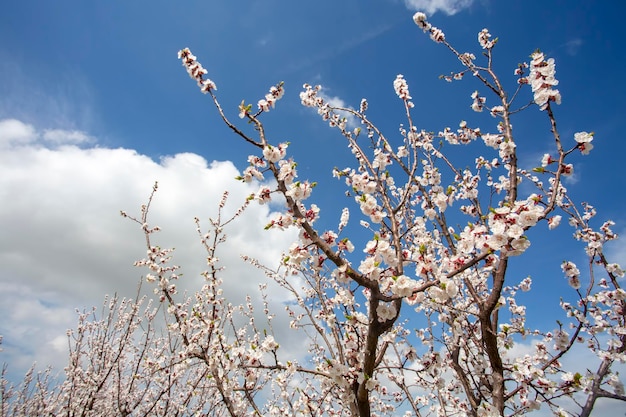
x=345, y=244
x=420, y=20
x=478, y=103
x=466, y=245
x=583, y=137
x=287, y=172
x=496, y=241
x=570, y=269
x=567, y=170
x=484, y=39
x=584, y=142
x=345, y=216
x=264, y=195
x=519, y=246
x=615, y=269
x=546, y=160
x=329, y=237
x=300, y=190
x=618, y=386
x=275, y=94
x=263, y=105
x=585, y=148
x=378, y=216
x=495, y=110
x=195, y=70
x=403, y=286
x=385, y=312
x=251, y=172
x=437, y=35
x=527, y=218
x=371, y=384
x=438, y=294
x=368, y=203
x=451, y=288
x=554, y=221
x=297, y=254
x=368, y=265
x=574, y=282
x=525, y=284
x=515, y=231
x=381, y=159
x=401, y=87
x=506, y=149
x=275, y=153
x=542, y=80
x=269, y=343
x=492, y=140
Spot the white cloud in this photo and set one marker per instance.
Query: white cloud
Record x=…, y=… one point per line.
x=14, y=132
x=33, y=329
x=449, y=7
x=64, y=244
x=66, y=137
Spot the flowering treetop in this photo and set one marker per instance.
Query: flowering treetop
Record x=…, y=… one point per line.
x=416, y=256
x=419, y=317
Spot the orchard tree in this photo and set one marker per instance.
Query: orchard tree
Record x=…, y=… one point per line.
x=415, y=314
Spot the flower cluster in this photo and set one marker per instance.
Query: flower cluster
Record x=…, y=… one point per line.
x=542, y=81
x=300, y=190
x=275, y=94
x=196, y=70
x=584, y=142
x=370, y=207
x=436, y=34
x=484, y=39
x=361, y=354
x=401, y=87
x=572, y=273
x=275, y=153
x=479, y=102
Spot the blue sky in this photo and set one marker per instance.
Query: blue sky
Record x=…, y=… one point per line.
x=94, y=107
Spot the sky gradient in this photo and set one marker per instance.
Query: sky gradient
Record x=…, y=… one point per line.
x=95, y=107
